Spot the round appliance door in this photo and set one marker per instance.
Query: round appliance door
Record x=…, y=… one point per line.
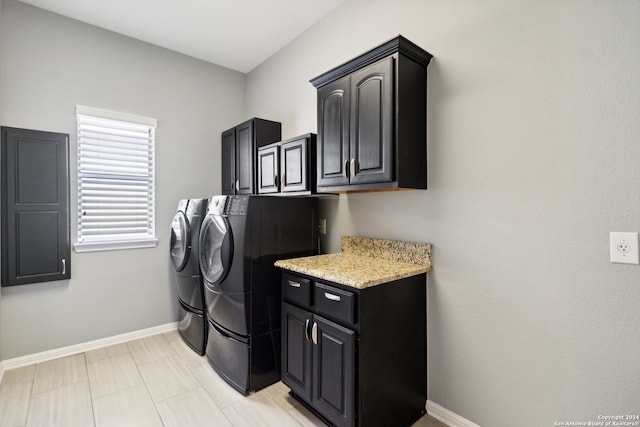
x=180, y=241
x=216, y=248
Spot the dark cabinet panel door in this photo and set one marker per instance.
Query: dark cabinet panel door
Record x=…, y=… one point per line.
x=372, y=123
x=334, y=371
x=294, y=165
x=239, y=154
x=333, y=133
x=35, y=207
x=268, y=169
x=296, y=350
x=229, y=162
x=245, y=158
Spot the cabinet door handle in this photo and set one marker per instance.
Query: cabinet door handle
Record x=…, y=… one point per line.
x=238, y=185
x=294, y=284
x=346, y=169
x=353, y=167
x=283, y=180
x=314, y=333
x=64, y=266
x=306, y=329
x=332, y=297
x=276, y=181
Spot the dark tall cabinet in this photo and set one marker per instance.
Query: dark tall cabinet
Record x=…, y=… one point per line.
x=239, y=152
x=35, y=206
x=372, y=120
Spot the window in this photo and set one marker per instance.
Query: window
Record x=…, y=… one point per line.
x=116, y=180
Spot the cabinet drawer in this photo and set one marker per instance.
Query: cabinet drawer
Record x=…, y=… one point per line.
x=296, y=289
x=334, y=302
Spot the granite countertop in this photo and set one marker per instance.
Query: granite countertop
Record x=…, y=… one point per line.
x=365, y=262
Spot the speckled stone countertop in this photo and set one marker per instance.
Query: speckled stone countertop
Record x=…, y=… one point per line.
x=365, y=262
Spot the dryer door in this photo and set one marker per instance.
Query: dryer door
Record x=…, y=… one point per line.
x=180, y=241
x=216, y=248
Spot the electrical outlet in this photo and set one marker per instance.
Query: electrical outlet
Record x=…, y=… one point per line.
x=322, y=226
x=623, y=247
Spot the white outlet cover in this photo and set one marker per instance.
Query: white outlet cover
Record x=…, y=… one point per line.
x=623, y=247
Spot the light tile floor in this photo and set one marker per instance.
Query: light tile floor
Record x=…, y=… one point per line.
x=154, y=381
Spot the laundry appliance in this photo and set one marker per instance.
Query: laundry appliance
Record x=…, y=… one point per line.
x=240, y=239
x=185, y=231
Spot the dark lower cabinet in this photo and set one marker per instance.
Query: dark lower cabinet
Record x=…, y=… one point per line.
x=356, y=357
x=319, y=363
x=296, y=350
x=35, y=206
x=333, y=368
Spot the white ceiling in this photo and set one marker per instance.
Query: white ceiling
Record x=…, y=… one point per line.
x=237, y=34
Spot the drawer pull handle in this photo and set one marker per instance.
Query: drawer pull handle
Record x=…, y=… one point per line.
x=314, y=333
x=331, y=297
x=294, y=284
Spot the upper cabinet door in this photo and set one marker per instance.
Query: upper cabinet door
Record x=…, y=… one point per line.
x=229, y=162
x=245, y=148
x=35, y=207
x=293, y=163
x=371, y=139
x=333, y=133
x=268, y=172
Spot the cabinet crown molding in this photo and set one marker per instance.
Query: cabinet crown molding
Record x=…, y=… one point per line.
x=398, y=44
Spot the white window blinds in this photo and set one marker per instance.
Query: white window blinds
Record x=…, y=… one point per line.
x=116, y=180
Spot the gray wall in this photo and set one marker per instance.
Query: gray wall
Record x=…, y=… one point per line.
x=48, y=64
x=534, y=142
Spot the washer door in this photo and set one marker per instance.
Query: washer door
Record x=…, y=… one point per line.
x=180, y=241
x=216, y=248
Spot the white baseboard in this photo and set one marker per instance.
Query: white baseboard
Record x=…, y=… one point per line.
x=446, y=416
x=30, y=359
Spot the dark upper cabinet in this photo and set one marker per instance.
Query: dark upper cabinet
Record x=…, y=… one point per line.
x=239, y=152
x=35, y=207
x=269, y=169
x=229, y=161
x=333, y=133
x=288, y=167
x=372, y=120
x=371, y=127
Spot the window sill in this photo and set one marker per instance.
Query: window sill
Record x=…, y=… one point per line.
x=113, y=246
